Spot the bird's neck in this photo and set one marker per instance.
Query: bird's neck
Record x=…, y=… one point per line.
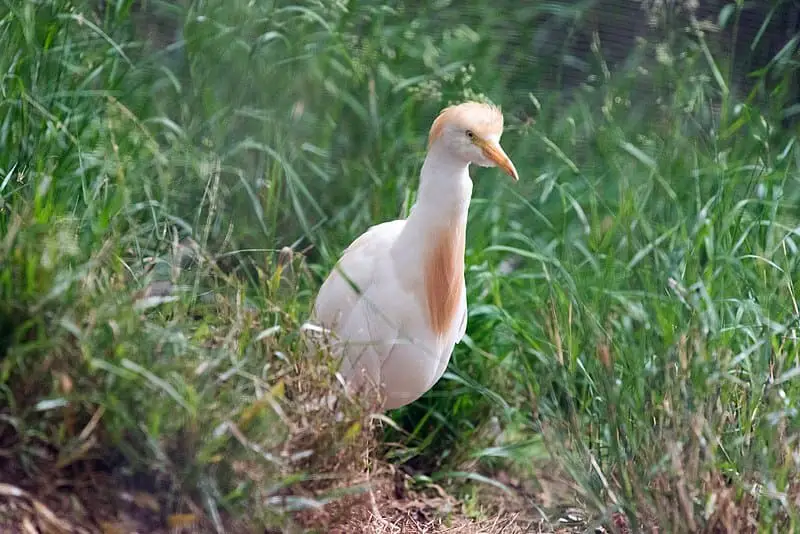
x=445, y=190
x=433, y=238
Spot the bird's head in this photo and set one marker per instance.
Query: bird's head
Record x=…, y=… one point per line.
x=472, y=131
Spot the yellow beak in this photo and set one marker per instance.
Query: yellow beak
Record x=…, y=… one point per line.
x=495, y=152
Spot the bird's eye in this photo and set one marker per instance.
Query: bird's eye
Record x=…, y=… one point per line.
x=470, y=134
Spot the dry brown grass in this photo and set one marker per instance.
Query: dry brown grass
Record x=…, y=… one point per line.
x=386, y=505
x=389, y=506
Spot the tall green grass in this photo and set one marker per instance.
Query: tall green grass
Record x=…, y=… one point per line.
x=633, y=313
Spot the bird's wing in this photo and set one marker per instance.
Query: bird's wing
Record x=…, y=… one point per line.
x=354, y=273
x=350, y=300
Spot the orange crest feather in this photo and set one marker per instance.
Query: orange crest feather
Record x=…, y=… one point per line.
x=483, y=119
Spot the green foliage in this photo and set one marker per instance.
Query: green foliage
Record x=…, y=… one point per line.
x=633, y=312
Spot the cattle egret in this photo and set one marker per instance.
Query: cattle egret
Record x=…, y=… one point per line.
x=396, y=303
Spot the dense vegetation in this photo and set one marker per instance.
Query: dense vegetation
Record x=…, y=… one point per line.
x=633, y=312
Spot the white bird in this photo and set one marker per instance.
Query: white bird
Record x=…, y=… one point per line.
x=396, y=303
